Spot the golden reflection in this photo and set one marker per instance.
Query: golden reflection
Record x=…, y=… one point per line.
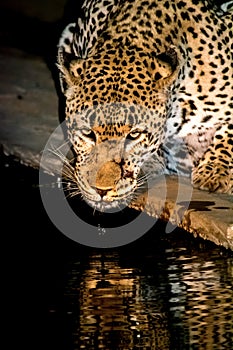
x=208, y=304
x=121, y=307
x=112, y=312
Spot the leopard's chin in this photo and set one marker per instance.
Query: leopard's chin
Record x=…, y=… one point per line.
x=108, y=207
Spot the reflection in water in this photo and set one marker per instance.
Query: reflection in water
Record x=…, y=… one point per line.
x=168, y=296
x=202, y=298
x=113, y=312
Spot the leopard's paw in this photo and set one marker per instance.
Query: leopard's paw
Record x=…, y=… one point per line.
x=213, y=177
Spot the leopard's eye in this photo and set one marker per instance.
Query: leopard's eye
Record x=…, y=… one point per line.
x=88, y=134
x=134, y=135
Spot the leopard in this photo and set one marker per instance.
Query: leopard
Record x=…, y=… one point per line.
x=148, y=89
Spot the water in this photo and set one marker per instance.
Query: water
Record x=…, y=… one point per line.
x=161, y=292
x=154, y=294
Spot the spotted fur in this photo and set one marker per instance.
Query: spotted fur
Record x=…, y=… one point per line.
x=149, y=90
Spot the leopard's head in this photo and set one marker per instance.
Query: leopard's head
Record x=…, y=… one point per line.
x=115, y=114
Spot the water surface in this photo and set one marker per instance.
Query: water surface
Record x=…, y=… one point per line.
x=162, y=292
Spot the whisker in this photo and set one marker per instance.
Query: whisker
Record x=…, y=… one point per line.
x=72, y=194
x=94, y=210
x=69, y=181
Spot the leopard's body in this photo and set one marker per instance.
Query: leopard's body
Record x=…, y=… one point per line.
x=149, y=90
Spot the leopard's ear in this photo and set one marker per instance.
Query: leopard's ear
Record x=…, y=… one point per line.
x=78, y=39
x=70, y=69
x=168, y=63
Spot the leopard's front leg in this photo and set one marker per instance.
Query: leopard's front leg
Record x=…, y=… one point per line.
x=214, y=171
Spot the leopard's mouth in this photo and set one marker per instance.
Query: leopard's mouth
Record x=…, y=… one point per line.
x=115, y=198
x=108, y=187
x=105, y=206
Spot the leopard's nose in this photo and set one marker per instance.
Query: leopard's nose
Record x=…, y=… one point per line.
x=107, y=177
x=102, y=193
